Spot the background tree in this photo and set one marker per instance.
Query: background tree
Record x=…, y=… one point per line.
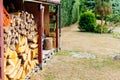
x=103, y=8
x=67, y=6
x=76, y=11
x=78, y=8
x=113, y=20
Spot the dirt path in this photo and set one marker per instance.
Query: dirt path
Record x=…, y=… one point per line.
x=63, y=66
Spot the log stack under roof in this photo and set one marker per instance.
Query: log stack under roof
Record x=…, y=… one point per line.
x=20, y=46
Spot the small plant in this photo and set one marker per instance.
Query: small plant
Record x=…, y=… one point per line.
x=87, y=22
x=116, y=35
x=97, y=29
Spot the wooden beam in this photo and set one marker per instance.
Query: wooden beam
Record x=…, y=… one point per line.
x=1, y=42
x=41, y=2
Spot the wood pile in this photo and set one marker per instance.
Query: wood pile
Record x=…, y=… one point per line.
x=20, y=46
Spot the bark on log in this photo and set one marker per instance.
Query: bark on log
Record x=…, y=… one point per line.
x=48, y=43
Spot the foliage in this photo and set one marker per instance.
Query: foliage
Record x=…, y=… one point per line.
x=67, y=6
x=76, y=11
x=78, y=8
x=83, y=6
x=115, y=18
x=116, y=35
x=114, y=21
x=115, y=6
x=87, y=21
x=103, y=8
x=98, y=17
x=90, y=4
x=97, y=29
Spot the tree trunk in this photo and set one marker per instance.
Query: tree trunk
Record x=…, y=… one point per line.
x=102, y=18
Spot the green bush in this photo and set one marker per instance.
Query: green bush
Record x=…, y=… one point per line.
x=87, y=21
x=97, y=29
x=105, y=29
x=98, y=17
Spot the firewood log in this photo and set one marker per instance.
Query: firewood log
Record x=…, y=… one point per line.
x=9, y=69
x=29, y=56
x=23, y=75
x=19, y=74
x=35, y=39
x=32, y=45
x=27, y=49
x=22, y=45
x=28, y=70
x=25, y=64
x=12, y=62
x=14, y=73
x=33, y=64
x=10, y=53
x=6, y=55
x=35, y=52
x=36, y=61
x=16, y=68
x=20, y=49
x=24, y=56
x=5, y=77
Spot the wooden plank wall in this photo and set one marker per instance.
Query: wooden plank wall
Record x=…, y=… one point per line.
x=46, y=20
x=32, y=8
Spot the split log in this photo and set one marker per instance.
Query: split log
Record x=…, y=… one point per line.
x=35, y=52
x=35, y=39
x=32, y=45
x=13, y=62
x=24, y=56
x=10, y=53
x=9, y=69
x=29, y=56
x=16, y=68
x=22, y=45
x=19, y=74
x=5, y=77
x=23, y=75
x=25, y=64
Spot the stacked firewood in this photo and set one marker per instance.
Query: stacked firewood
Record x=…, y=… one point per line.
x=20, y=46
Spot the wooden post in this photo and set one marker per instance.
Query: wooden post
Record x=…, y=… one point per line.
x=57, y=29
x=40, y=33
x=60, y=26
x=1, y=42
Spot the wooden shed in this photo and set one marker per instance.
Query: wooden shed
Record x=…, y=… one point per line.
x=48, y=39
